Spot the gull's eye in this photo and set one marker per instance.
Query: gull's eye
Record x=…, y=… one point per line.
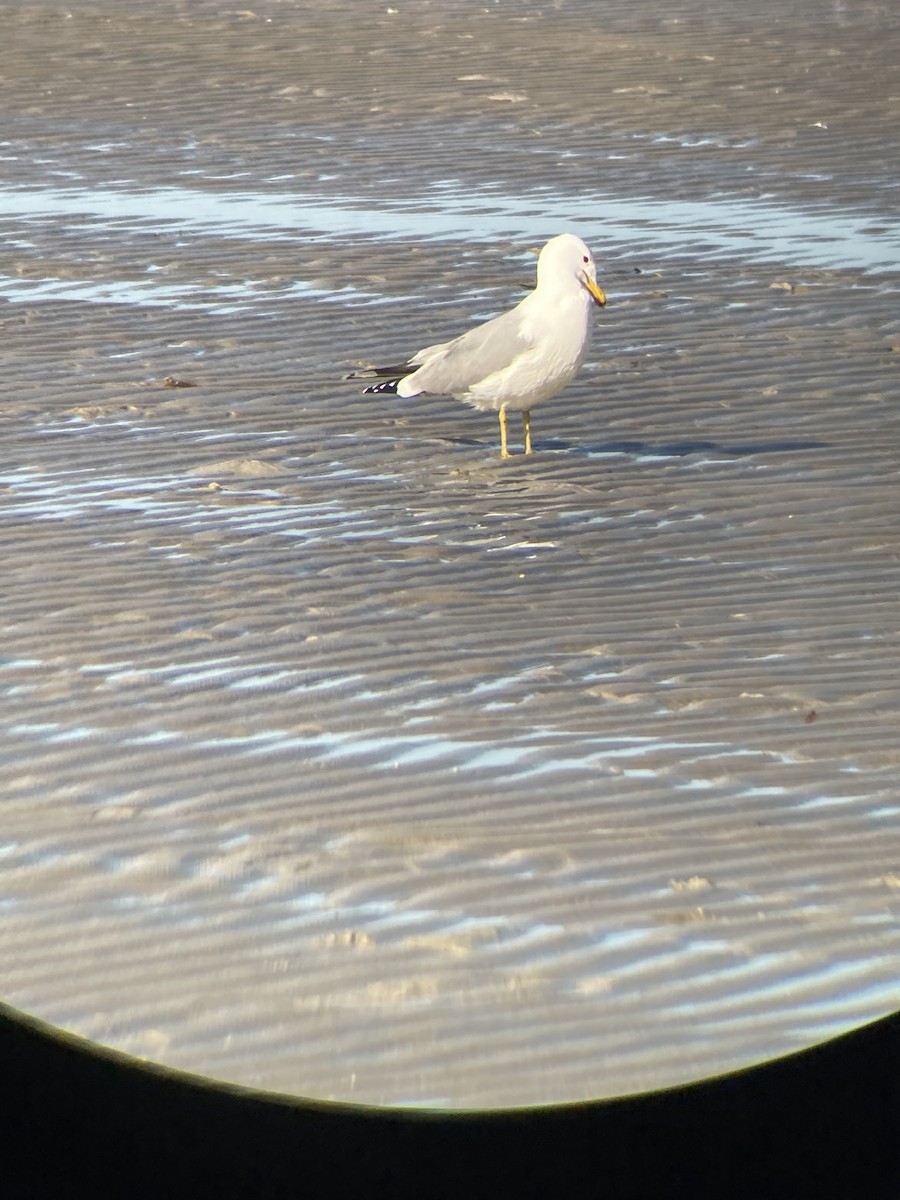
x=585, y=259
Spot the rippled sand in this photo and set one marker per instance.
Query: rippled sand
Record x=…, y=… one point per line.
x=340, y=756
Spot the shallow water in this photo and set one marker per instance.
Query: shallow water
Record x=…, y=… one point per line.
x=757, y=229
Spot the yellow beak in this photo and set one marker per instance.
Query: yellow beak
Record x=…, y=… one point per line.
x=595, y=289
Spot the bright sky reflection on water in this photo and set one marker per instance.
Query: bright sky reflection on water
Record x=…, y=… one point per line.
x=761, y=229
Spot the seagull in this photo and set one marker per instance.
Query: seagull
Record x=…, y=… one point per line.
x=512, y=362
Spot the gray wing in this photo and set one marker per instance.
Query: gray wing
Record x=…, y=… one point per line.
x=451, y=368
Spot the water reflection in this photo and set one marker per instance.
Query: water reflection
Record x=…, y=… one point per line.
x=760, y=229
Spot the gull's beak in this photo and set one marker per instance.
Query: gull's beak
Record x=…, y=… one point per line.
x=595, y=289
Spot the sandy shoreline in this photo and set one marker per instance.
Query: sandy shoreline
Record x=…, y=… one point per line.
x=341, y=757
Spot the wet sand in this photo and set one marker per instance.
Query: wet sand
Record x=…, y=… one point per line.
x=342, y=757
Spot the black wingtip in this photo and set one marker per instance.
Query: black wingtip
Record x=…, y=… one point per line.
x=386, y=385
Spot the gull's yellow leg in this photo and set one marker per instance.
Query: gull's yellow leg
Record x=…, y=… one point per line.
x=526, y=425
x=504, y=453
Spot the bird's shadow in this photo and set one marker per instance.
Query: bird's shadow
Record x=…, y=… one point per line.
x=638, y=449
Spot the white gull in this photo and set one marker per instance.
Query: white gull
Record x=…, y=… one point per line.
x=523, y=356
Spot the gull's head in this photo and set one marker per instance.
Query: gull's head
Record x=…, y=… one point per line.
x=567, y=256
